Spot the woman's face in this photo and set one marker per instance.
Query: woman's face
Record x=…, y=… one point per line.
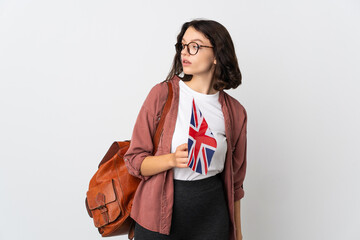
x=204, y=60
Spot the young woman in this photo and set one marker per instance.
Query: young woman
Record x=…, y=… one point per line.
x=191, y=188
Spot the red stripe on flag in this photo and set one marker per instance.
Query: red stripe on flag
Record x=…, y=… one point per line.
x=195, y=114
x=205, y=163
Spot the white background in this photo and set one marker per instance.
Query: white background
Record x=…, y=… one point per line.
x=74, y=75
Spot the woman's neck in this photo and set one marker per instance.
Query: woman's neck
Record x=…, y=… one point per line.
x=201, y=84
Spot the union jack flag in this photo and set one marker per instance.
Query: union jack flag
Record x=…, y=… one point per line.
x=201, y=142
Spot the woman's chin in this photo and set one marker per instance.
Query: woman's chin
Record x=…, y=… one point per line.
x=188, y=72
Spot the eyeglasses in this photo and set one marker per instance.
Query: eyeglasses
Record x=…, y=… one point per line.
x=192, y=47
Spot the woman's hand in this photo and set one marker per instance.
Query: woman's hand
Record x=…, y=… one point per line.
x=180, y=156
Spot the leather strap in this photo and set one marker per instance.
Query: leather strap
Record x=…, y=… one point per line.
x=165, y=110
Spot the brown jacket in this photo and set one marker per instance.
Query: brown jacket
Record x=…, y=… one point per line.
x=153, y=200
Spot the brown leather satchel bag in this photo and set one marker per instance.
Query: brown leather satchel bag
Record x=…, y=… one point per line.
x=112, y=189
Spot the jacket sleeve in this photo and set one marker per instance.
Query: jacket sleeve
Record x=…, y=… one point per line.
x=239, y=160
x=141, y=143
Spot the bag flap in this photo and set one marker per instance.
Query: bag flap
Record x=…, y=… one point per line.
x=101, y=195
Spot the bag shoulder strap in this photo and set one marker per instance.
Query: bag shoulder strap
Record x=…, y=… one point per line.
x=160, y=127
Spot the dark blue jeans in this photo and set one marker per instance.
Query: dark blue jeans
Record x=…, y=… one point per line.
x=200, y=212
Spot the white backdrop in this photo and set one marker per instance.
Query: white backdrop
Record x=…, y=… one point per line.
x=75, y=73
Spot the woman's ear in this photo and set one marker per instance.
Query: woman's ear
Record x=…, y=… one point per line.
x=215, y=61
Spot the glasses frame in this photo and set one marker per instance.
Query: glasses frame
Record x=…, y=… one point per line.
x=187, y=47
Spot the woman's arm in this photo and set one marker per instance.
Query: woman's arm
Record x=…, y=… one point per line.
x=155, y=164
x=240, y=162
x=141, y=145
x=238, y=220
x=239, y=158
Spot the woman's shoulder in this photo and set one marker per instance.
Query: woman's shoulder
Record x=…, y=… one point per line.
x=160, y=90
x=156, y=97
x=238, y=115
x=235, y=104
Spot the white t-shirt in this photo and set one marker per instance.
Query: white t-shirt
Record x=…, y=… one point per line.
x=210, y=108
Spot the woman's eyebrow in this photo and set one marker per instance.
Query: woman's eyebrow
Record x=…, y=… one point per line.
x=194, y=40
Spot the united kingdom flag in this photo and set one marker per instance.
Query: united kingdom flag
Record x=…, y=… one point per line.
x=201, y=142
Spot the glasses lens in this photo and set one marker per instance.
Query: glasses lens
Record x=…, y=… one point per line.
x=193, y=47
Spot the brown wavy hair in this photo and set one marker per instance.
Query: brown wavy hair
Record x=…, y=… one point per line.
x=227, y=72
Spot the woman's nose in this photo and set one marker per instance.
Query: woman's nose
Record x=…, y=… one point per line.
x=185, y=50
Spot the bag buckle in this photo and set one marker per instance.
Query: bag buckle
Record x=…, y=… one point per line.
x=100, y=199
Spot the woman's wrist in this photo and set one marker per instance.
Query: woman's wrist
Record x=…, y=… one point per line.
x=171, y=160
x=152, y=165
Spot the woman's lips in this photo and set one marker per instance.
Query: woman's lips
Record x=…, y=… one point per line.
x=186, y=62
